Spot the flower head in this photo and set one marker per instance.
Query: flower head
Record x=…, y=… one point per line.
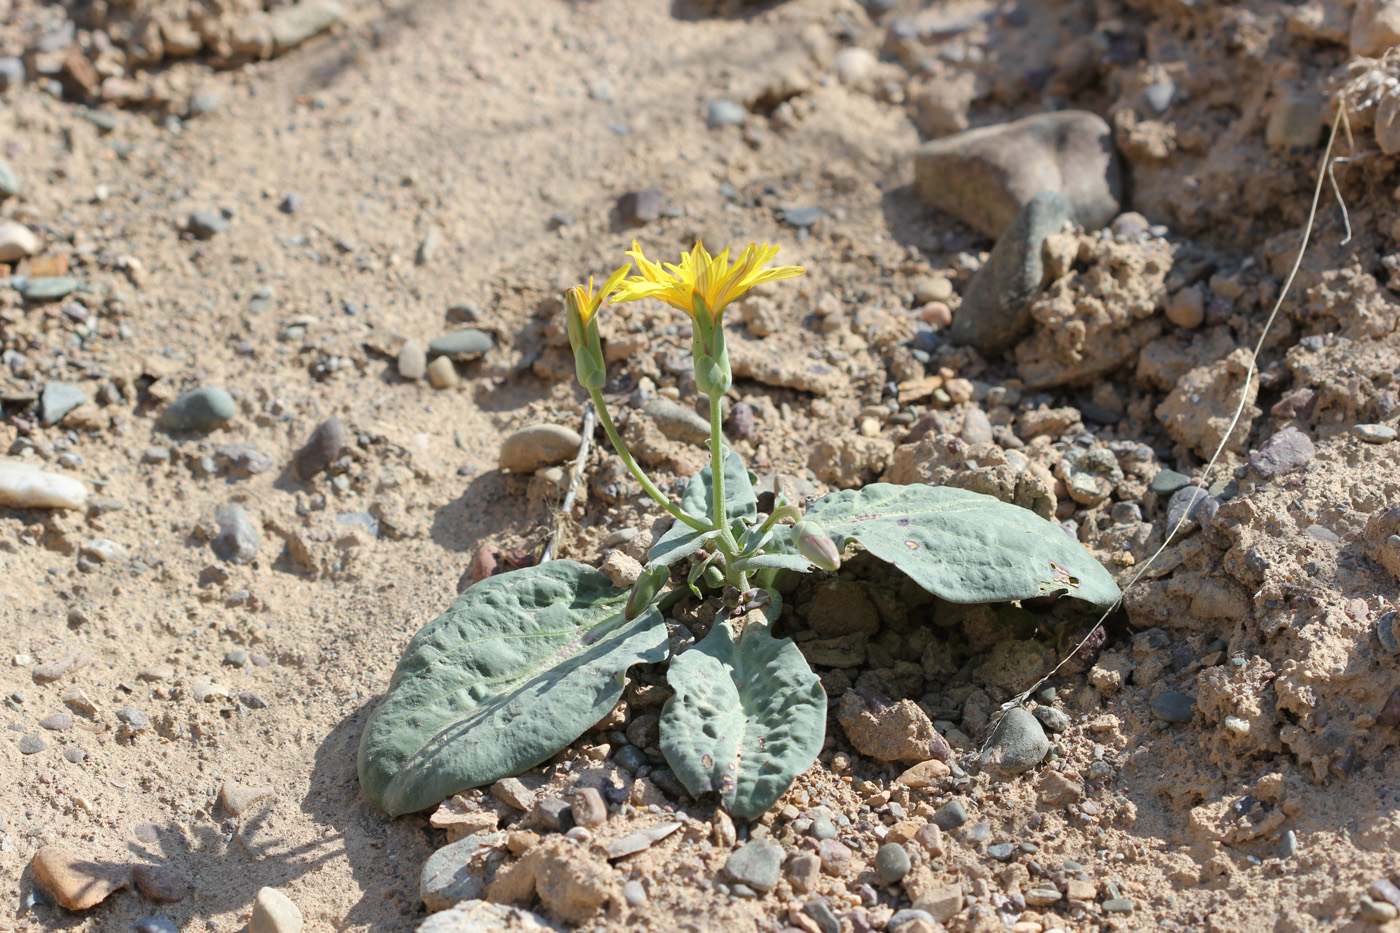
x=585, y=302
x=713, y=280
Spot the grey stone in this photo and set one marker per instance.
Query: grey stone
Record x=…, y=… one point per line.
x=292, y=25
x=32, y=744
x=201, y=409
x=413, y=360
x=630, y=758
x=802, y=217
x=721, y=112
x=756, y=864
x=1374, y=433
x=634, y=893
x=976, y=427
x=892, y=862
x=1296, y=123
x=1286, y=452
x=468, y=343
x=428, y=248
x=58, y=722
x=820, y=912
x=324, y=445
x=9, y=181
x=1173, y=706
x=156, y=925
x=984, y=176
x=528, y=449
x=1018, y=743
x=448, y=877
x=205, y=225
x=476, y=916
x=1387, y=633
x=641, y=207
x=11, y=72
x=238, y=539
x=995, y=311
x=908, y=915
x=245, y=457
x=1002, y=851
x=48, y=288
x=1167, y=482
x=553, y=813
x=951, y=815
x=678, y=422
x=134, y=718
x=1188, y=502
x=1056, y=720
x=58, y=399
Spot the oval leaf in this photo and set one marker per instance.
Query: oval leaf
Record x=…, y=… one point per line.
x=748, y=717
x=963, y=546
x=519, y=667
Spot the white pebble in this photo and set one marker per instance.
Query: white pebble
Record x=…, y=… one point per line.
x=274, y=912
x=25, y=486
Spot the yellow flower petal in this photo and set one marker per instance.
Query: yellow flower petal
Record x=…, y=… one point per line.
x=713, y=278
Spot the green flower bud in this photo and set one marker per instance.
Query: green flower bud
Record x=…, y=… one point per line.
x=814, y=544
x=644, y=591
x=584, y=338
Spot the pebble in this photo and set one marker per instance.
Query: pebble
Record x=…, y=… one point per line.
x=236, y=658
x=756, y=864
x=1187, y=308
x=641, y=207
x=476, y=916
x=324, y=445
x=292, y=25
x=995, y=311
x=1167, y=482
x=853, y=64
x=206, y=224
x=721, y=112
x=1056, y=720
x=1388, y=632
x=804, y=871
x=822, y=828
x=442, y=374
x=159, y=883
x=253, y=700
x=589, y=808
x=1285, y=452
x=892, y=862
x=9, y=181
x=238, y=539
x=951, y=815
x=803, y=217
x=447, y=877
x=902, y=918
x=976, y=427
x=274, y=912
x=1017, y=744
x=48, y=288
x=1159, y=95
x=820, y=912
x=1188, y=502
x=1296, y=122
x=1002, y=851
x=1173, y=706
x=984, y=176
x=133, y=718
x=245, y=457
x=835, y=856
x=528, y=449
x=413, y=360
x=156, y=925
x=554, y=814
x=678, y=422
x=32, y=744
x=77, y=881
x=201, y=409
x=17, y=241
x=634, y=893
x=58, y=722
x=1374, y=433
x=24, y=485
x=462, y=345
x=429, y=246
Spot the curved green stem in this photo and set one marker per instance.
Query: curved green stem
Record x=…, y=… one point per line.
x=661, y=498
x=717, y=465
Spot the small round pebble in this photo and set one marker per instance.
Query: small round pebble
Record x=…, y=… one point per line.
x=756, y=864
x=1002, y=851
x=465, y=344
x=1167, y=482
x=156, y=925
x=237, y=657
x=634, y=893
x=134, y=718
x=31, y=744
x=1055, y=720
x=1173, y=706
x=951, y=815
x=201, y=409
x=1374, y=433
x=892, y=862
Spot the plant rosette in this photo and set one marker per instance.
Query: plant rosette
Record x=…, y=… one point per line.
x=525, y=662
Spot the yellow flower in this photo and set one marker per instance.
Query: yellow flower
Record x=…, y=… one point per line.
x=583, y=299
x=710, y=278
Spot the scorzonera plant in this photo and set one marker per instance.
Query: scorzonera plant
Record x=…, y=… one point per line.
x=527, y=661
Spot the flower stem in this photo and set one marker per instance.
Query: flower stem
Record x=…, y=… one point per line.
x=717, y=463
x=661, y=498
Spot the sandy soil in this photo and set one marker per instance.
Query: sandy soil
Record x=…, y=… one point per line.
x=426, y=165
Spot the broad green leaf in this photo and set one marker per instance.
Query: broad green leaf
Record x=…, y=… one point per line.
x=963, y=546
x=680, y=540
x=519, y=667
x=748, y=716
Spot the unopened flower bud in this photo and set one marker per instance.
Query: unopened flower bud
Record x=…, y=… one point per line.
x=644, y=591
x=814, y=544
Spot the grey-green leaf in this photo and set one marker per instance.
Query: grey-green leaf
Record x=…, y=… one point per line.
x=964, y=546
x=740, y=502
x=748, y=716
x=519, y=667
